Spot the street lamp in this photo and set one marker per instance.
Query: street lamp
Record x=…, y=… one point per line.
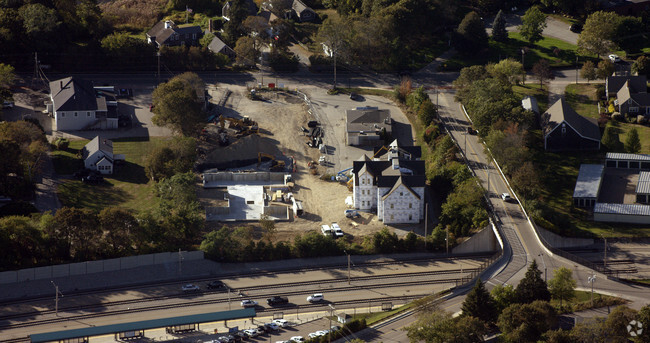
x=544, y=263
x=56, y=298
x=523, y=65
x=591, y=280
x=329, y=332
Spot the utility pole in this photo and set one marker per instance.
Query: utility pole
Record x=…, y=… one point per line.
x=56, y=298
x=348, y=265
x=158, y=55
x=591, y=280
x=426, y=223
x=329, y=333
x=523, y=65
x=334, y=69
x=605, y=257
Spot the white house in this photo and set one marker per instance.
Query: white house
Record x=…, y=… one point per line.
x=98, y=155
x=392, y=184
x=77, y=105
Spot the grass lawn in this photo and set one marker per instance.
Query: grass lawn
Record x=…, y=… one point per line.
x=559, y=53
x=533, y=89
x=127, y=188
x=582, y=98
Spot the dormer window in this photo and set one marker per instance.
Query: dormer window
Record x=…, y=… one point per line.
x=563, y=128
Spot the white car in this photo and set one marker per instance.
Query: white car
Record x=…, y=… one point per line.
x=251, y=332
x=336, y=230
x=505, y=197
x=297, y=339
x=248, y=303
x=281, y=322
x=314, y=298
x=614, y=58
x=272, y=326
x=314, y=334
x=189, y=288
x=325, y=229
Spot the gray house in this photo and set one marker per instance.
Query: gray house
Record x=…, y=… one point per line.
x=219, y=47
x=637, y=84
x=630, y=102
x=98, y=155
x=566, y=130
x=166, y=32
x=302, y=12
x=364, y=125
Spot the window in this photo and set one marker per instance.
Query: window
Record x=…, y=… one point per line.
x=634, y=109
x=410, y=217
x=87, y=114
x=563, y=128
x=62, y=115
x=401, y=194
x=392, y=205
x=410, y=205
x=363, y=181
x=75, y=114
x=391, y=217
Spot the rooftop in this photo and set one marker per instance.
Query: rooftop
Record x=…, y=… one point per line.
x=589, y=179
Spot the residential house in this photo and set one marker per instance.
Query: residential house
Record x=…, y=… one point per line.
x=269, y=18
x=393, y=185
x=529, y=103
x=76, y=105
x=219, y=47
x=250, y=5
x=613, y=84
x=628, y=7
x=366, y=126
x=167, y=33
x=98, y=155
x=566, y=130
x=630, y=102
x=302, y=12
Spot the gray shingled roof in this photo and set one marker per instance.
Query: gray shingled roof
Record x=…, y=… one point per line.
x=299, y=6
x=368, y=120
x=561, y=111
x=643, y=186
x=218, y=46
x=626, y=156
x=96, y=144
x=626, y=209
x=73, y=94
x=642, y=99
x=638, y=84
x=589, y=180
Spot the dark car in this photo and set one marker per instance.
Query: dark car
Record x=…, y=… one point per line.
x=577, y=28
x=354, y=96
x=216, y=284
x=93, y=178
x=471, y=131
x=312, y=123
x=80, y=174
x=277, y=300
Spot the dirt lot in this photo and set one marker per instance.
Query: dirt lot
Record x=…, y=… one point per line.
x=279, y=117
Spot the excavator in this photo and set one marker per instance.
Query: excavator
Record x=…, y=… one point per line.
x=276, y=165
x=244, y=126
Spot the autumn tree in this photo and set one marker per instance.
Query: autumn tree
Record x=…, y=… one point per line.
x=532, y=25
x=499, y=32
x=632, y=142
x=542, y=71
x=507, y=70
x=119, y=227
x=532, y=287
x=526, y=180
x=177, y=104
x=605, y=69
x=588, y=71
x=641, y=66
x=247, y=52
x=562, y=286
x=598, y=33
x=479, y=304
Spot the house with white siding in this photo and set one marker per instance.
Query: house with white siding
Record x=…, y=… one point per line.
x=391, y=184
x=76, y=104
x=98, y=155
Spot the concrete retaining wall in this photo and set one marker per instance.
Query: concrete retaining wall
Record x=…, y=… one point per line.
x=277, y=212
x=560, y=242
x=91, y=267
x=482, y=241
x=243, y=177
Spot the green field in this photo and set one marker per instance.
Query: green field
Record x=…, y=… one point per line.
x=127, y=188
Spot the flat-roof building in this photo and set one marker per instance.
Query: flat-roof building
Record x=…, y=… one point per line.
x=590, y=177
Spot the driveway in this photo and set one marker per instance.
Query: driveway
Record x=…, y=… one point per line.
x=554, y=28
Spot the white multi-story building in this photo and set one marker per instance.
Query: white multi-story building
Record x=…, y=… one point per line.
x=391, y=183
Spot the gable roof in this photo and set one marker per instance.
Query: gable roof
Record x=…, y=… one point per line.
x=268, y=16
x=399, y=182
x=623, y=94
x=386, y=172
x=73, y=94
x=562, y=112
x=165, y=28
x=637, y=84
x=98, y=144
x=642, y=99
x=368, y=119
x=299, y=6
x=218, y=46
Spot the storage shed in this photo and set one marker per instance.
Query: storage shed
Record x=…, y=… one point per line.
x=622, y=213
x=588, y=184
x=643, y=188
x=627, y=161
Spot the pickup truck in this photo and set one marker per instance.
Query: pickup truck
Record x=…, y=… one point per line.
x=277, y=300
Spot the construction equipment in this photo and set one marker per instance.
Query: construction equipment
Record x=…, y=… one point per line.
x=341, y=176
x=312, y=164
x=276, y=165
x=350, y=184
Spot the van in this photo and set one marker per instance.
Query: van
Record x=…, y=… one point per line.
x=326, y=230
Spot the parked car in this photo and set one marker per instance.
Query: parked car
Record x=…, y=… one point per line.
x=226, y=339
x=216, y=284
x=272, y=327
x=354, y=96
x=577, y=28
x=334, y=328
x=614, y=58
x=352, y=214
x=317, y=334
x=471, y=131
x=248, y=303
x=262, y=329
x=336, y=230
x=251, y=332
x=277, y=300
x=297, y=339
x=283, y=323
x=506, y=197
x=241, y=335
x=326, y=230
x=190, y=288
x=314, y=298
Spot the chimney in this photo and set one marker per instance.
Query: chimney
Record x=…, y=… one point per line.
x=168, y=24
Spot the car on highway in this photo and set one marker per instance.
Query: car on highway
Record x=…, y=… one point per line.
x=277, y=300
x=248, y=303
x=251, y=332
x=297, y=339
x=336, y=230
x=506, y=197
x=314, y=298
x=283, y=323
x=216, y=284
x=190, y=288
x=614, y=58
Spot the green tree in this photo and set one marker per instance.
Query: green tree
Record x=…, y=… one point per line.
x=22, y=242
x=247, y=52
x=499, y=32
x=641, y=66
x=268, y=227
x=479, y=304
x=632, y=142
x=415, y=98
x=615, y=325
x=507, y=70
x=124, y=51
x=177, y=104
x=427, y=112
x=526, y=180
x=562, y=286
x=463, y=210
x=234, y=28
x=532, y=287
x=470, y=36
x=527, y=322
x=542, y=71
x=76, y=234
x=610, y=139
x=119, y=227
x=533, y=24
x=644, y=317
x=7, y=80
x=503, y=296
x=605, y=69
x=39, y=19
x=206, y=39
x=598, y=33
x=590, y=330
x=433, y=325
x=588, y=71
x=559, y=336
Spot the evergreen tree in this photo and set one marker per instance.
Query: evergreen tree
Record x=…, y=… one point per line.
x=610, y=139
x=499, y=33
x=532, y=287
x=479, y=303
x=470, y=37
x=632, y=142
